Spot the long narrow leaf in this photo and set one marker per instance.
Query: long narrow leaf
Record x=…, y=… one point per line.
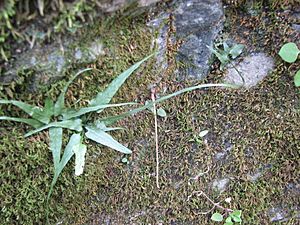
x=68, y=153
x=30, y=122
x=60, y=103
x=55, y=134
x=70, y=124
x=48, y=110
x=103, y=138
x=33, y=111
x=113, y=119
x=79, y=151
x=104, y=97
x=72, y=113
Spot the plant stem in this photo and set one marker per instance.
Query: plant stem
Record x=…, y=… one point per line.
x=215, y=205
x=156, y=137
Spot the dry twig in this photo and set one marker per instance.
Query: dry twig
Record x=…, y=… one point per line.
x=156, y=137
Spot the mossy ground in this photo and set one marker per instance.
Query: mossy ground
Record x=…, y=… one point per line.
x=260, y=126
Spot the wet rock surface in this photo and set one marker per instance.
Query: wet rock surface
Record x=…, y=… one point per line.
x=197, y=24
x=252, y=69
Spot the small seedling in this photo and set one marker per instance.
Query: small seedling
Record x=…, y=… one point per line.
x=289, y=52
x=233, y=217
x=226, y=54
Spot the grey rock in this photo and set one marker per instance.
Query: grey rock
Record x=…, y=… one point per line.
x=50, y=62
x=293, y=188
x=283, y=213
x=252, y=68
x=259, y=172
x=277, y=214
x=220, y=156
x=221, y=184
x=296, y=27
x=197, y=24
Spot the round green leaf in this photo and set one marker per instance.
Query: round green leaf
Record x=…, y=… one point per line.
x=236, y=219
x=289, y=52
x=236, y=213
x=297, y=78
x=228, y=220
x=217, y=217
x=161, y=112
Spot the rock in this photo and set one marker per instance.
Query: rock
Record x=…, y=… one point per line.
x=283, y=213
x=296, y=27
x=277, y=214
x=252, y=68
x=197, y=25
x=259, y=172
x=220, y=185
x=50, y=62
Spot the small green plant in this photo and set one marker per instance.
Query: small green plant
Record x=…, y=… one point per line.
x=68, y=18
x=7, y=11
x=56, y=117
x=233, y=217
x=226, y=54
x=289, y=52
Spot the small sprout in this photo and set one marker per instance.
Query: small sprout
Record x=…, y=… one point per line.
x=236, y=216
x=227, y=53
x=232, y=218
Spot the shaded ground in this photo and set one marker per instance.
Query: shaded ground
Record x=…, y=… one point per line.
x=252, y=134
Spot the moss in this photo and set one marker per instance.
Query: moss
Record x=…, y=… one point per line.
x=259, y=125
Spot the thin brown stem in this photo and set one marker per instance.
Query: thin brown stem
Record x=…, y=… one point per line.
x=156, y=138
x=215, y=205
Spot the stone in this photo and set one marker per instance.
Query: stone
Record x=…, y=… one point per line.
x=296, y=27
x=221, y=184
x=197, y=25
x=253, y=68
x=259, y=172
x=50, y=62
x=277, y=214
x=283, y=213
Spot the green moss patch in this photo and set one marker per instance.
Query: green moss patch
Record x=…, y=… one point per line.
x=255, y=129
